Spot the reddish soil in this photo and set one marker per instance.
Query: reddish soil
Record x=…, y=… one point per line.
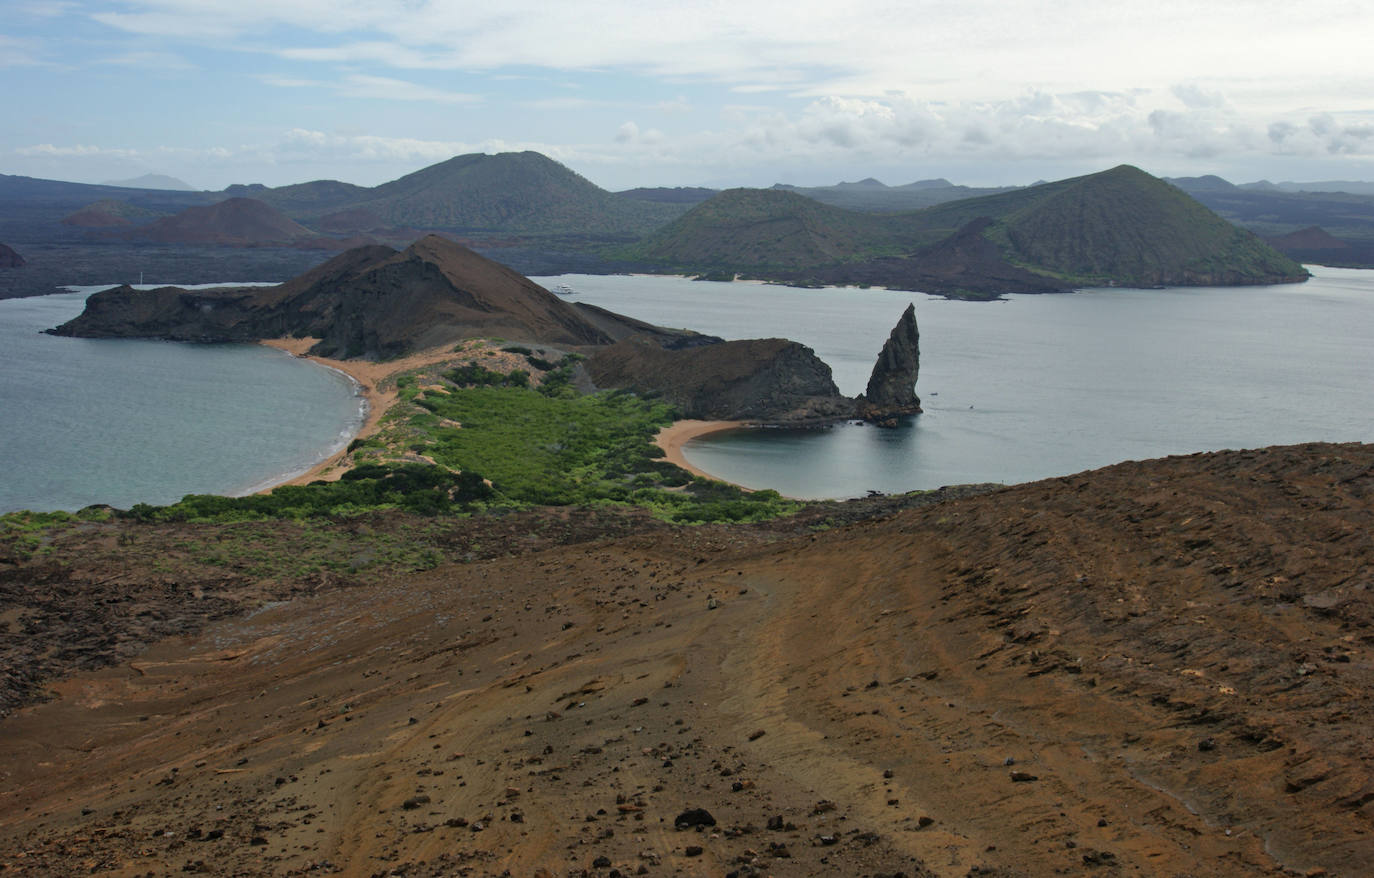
x=1159, y=668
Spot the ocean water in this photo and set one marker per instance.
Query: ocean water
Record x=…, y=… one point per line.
x=1017, y=390
x=121, y=422
x=1038, y=386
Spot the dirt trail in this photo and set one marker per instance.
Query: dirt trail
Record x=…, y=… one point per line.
x=1154, y=669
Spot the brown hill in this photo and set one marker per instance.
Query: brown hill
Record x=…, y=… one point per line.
x=1158, y=668
x=241, y=221
x=108, y=213
x=1310, y=238
x=371, y=302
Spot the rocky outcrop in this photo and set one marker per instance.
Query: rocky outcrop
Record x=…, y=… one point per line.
x=770, y=380
x=892, y=386
x=10, y=259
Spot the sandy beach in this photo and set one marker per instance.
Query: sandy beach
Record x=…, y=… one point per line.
x=380, y=394
x=376, y=389
x=673, y=437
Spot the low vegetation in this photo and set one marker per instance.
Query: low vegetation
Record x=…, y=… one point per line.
x=479, y=433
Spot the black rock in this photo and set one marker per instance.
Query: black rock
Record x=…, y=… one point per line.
x=892, y=385
x=694, y=817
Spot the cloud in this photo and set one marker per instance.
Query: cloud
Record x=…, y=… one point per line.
x=79, y=150
x=18, y=52
x=167, y=61
x=977, y=49
x=365, y=87
x=360, y=85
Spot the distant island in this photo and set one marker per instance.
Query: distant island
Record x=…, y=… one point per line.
x=1119, y=227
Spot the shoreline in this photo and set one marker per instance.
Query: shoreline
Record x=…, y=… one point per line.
x=676, y=435
x=371, y=379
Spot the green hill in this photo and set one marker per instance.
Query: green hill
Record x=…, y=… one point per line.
x=1121, y=227
x=1124, y=226
x=507, y=194
x=748, y=229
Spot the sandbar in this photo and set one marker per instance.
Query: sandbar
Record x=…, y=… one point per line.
x=673, y=437
x=379, y=393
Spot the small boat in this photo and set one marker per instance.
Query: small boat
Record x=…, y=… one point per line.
x=564, y=290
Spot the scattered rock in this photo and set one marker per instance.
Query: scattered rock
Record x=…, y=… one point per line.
x=693, y=817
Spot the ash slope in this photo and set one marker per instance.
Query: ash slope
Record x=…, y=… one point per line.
x=1155, y=668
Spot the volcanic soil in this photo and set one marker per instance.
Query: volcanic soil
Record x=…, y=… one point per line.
x=1158, y=668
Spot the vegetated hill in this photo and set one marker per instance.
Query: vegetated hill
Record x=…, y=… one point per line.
x=1124, y=226
x=749, y=229
x=669, y=195
x=242, y=221
x=872, y=195
x=509, y=194
x=1117, y=227
x=109, y=213
x=306, y=200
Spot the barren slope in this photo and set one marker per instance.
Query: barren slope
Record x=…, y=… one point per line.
x=1177, y=652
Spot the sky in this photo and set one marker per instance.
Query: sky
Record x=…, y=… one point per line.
x=713, y=93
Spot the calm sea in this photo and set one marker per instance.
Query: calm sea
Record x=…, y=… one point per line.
x=1039, y=386
x=121, y=422
x=1026, y=388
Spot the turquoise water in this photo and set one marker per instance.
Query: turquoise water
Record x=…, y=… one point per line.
x=122, y=422
x=1039, y=386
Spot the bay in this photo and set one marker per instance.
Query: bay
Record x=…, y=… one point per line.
x=121, y=422
x=1038, y=386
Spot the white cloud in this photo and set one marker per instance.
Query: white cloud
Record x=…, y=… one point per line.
x=359, y=85
x=167, y=61
x=362, y=86
x=17, y=52
x=79, y=150
x=978, y=49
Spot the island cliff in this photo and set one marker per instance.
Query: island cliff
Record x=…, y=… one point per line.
x=760, y=379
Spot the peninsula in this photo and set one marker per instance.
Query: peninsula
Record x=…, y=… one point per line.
x=375, y=303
